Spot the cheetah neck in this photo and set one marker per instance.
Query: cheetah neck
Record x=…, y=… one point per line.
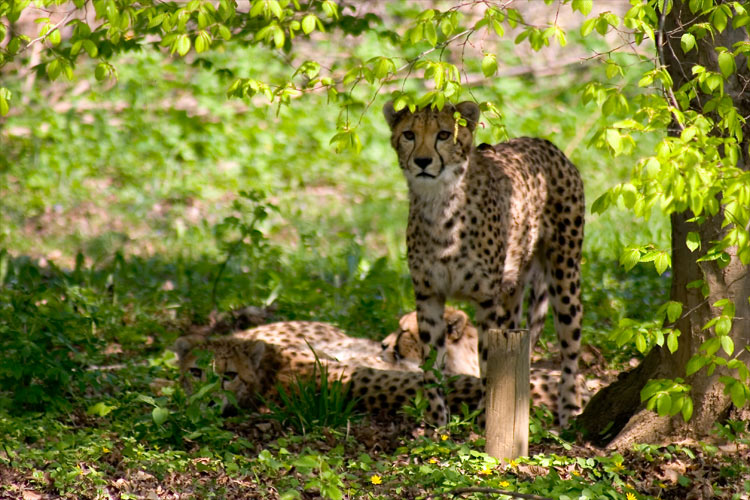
x=437, y=206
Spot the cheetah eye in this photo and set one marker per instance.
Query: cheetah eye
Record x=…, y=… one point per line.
x=409, y=135
x=229, y=376
x=444, y=135
x=196, y=372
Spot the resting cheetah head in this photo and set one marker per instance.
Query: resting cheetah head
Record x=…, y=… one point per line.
x=461, y=348
x=432, y=153
x=237, y=362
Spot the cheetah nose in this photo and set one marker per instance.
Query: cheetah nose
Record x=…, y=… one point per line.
x=423, y=162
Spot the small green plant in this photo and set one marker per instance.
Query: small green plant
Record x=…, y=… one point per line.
x=541, y=421
x=313, y=402
x=417, y=407
x=48, y=337
x=466, y=421
x=735, y=431
x=178, y=418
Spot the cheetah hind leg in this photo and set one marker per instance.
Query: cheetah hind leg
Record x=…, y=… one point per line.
x=538, y=304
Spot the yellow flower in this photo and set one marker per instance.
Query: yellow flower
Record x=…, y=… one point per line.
x=105, y=449
x=486, y=471
x=513, y=464
x=375, y=479
x=631, y=496
x=504, y=484
x=433, y=460
x=443, y=437
x=575, y=472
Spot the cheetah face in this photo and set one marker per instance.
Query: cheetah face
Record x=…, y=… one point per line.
x=461, y=347
x=237, y=362
x=432, y=153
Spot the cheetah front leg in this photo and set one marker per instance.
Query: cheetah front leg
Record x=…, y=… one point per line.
x=432, y=327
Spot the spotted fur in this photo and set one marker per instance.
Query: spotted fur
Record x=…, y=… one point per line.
x=404, y=345
x=250, y=367
x=485, y=222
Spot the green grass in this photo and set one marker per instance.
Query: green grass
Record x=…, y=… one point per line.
x=118, y=207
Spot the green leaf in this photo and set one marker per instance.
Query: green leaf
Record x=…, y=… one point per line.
x=489, y=64
x=727, y=344
x=674, y=310
x=687, y=409
x=723, y=326
x=159, y=415
x=224, y=32
x=640, y=343
x=672, y=342
x=614, y=140
x=308, y=24
x=583, y=6
x=588, y=26
x=54, y=37
x=430, y=33
x=687, y=42
x=726, y=64
x=91, y=48
x=662, y=262
x=53, y=69
x=101, y=71
x=202, y=42
x=719, y=19
x=499, y=30
x=738, y=392
x=182, y=45
x=601, y=204
x=278, y=37
x=663, y=404
x=629, y=258
x=100, y=409
x=696, y=363
x=4, y=107
x=651, y=388
x=693, y=241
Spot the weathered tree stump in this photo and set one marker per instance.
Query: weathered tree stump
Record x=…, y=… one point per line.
x=507, y=393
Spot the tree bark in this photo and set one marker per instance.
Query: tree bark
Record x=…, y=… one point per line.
x=615, y=416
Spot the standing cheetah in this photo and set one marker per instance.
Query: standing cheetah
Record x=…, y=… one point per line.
x=486, y=221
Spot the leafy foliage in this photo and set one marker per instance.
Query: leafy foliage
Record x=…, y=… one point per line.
x=314, y=402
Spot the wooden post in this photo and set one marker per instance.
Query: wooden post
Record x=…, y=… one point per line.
x=507, y=394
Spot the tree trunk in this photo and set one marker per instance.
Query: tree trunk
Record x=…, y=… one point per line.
x=615, y=416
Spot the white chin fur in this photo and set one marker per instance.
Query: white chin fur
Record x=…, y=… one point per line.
x=432, y=186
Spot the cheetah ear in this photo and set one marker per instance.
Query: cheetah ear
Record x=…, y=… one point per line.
x=470, y=111
x=391, y=115
x=257, y=352
x=408, y=322
x=183, y=345
x=457, y=320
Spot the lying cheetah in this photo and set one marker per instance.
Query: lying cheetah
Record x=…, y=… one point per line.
x=486, y=221
x=251, y=367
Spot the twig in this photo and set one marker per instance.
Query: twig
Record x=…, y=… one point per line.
x=483, y=489
x=52, y=29
x=430, y=50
